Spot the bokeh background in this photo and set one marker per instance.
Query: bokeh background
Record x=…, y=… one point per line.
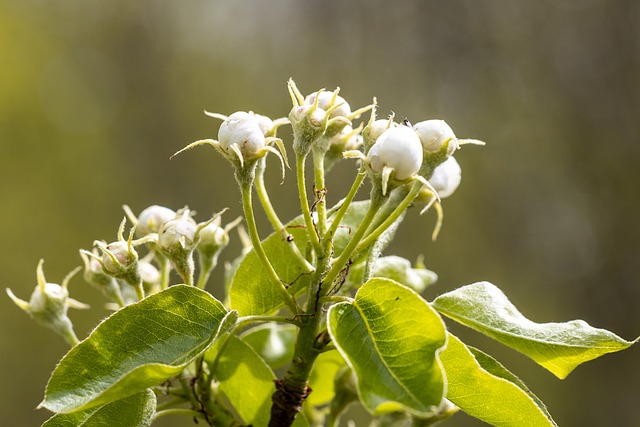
x=96, y=95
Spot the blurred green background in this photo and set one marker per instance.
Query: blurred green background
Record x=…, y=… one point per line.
x=96, y=95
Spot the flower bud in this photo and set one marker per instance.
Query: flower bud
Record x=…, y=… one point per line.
x=243, y=131
x=326, y=100
x=265, y=124
x=94, y=275
x=373, y=131
x=178, y=234
x=49, y=303
x=150, y=276
x=446, y=177
x=213, y=239
x=150, y=219
x=177, y=240
x=397, y=148
x=436, y=134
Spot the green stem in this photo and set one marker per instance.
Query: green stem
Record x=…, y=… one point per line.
x=320, y=192
x=391, y=218
x=247, y=205
x=139, y=290
x=165, y=270
x=376, y=202
x=304, y=204
x=277, y=225
x=246, y=320
x=207, y=264
x=337, y=219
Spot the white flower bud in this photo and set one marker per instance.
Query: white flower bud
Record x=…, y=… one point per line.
x=265, y=123
x=242, y=130
x=120, y=251
x=434, y=134
x=213, y=237
x=397, y=148
x=150, y=276
x=378, y=127
x=150, y=219
x=446, y=177
x=325, y=102
x=178, y=234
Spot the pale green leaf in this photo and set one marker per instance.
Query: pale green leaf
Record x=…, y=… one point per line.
x=483, y=388
x=137, y=347
x=246, y=380
x=133, y=411
x=322, y=377
x=274, y=342
x=391, y=338
x=558, y=347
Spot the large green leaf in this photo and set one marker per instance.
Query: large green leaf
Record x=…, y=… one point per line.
x=137, y=347
x=391, y=338
x=559, y=347
x=483, y=388
x=132, y=411
x=252, y=293
x=246, y=380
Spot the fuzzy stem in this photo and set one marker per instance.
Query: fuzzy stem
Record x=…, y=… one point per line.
x=247, y=205
x=277, y=225
x=304, y=204
x=320, y=190
x=376, y=202
x=337, y=219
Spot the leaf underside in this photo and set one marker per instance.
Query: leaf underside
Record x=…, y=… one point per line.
x=558, y=347
x=484, y=389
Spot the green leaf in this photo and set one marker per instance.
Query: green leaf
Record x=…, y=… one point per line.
x=391, y=338
x=274, y=342
x=133, y=411
x=322, y=377
x=246, y=380
x=137, y=347
x=558, y=347
x=483, y=388
x=252, y=293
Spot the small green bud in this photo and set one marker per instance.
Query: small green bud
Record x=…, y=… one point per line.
x=49, y=303
x=94, y=275
x=177, y=239
x=213, y=238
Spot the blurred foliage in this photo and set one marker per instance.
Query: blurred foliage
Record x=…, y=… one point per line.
x=95, y=96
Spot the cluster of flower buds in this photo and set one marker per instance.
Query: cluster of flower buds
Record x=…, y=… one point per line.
x=321, y=120
x=49, y=303
x=399, y=153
